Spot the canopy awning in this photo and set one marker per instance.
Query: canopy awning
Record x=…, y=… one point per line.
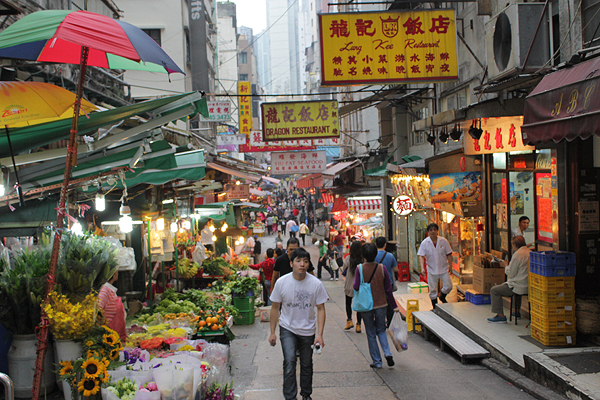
x=230, y=170
x=340, y=167
x=326, y=198
x=272, y=180
x=314, y=180
x=261, y=193
x=364, y=206
x=564, y=105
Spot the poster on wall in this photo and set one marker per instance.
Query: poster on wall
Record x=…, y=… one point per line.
x=459, y=186
x=517, y=200
x=501, y=216
x=543, y=190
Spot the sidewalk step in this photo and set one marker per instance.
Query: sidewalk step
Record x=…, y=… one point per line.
x=449, y=336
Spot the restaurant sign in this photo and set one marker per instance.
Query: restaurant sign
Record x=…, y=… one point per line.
x=223, y=140
x=245, y=107
x=385, y=47
x=298, y=162
x=255, y=144
x=500, y=135
x=236, y=192
x=403, y=205
x=302, y=120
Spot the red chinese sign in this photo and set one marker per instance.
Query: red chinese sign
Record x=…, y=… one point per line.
x=403, y=205
x=500, y=135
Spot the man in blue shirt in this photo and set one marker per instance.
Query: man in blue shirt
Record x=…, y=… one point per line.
x=387, y=259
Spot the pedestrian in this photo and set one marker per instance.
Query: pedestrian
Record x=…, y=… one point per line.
x=332, y=256
x=438, y=253
x=283, y=227
x=266, y=269
x=381, y=290
x=389, y=261
x=303, y=230
x=517, y=282
x=322, y=258
x=349, y=270
x=295, y=298
x=257, y=250
x=282, y=264
x=292, y=227
x=338, y=241
x=269, y=224
x=112, y=306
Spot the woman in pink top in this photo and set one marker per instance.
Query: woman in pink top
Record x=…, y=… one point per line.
x=114, y=312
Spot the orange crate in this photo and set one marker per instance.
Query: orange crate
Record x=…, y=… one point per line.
x=554, y=299
x=564, y=311
x=554, y=338
x=552, y=284
x=552, y=324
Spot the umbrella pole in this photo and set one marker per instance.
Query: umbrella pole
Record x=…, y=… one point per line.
x=12, y=155
x=42, y=329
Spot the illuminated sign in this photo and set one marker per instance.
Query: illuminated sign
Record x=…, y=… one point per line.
x=500, y=135
x=297, y=121
x=245, y=107
x=403, y=205
x=385, y=47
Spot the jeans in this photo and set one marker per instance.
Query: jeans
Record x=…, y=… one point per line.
x=303, y=237
x=374, y=322
x=340, y=250
x=290, y=342
x=266, y=292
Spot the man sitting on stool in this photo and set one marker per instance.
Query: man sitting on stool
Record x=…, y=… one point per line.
x=517, y=283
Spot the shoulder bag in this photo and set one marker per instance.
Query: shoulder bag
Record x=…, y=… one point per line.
x=392, y=277
x=363, y=298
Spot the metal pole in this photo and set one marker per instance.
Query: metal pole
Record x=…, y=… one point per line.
x=176, y=262
x=150, y=269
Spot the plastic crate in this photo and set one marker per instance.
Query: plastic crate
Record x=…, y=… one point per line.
x=566, y=311
x=478, y=299
x=555, y=323
x=551, y=258
x=554, y=299
x=245, y=318
x=553, y=338
x=404, y=277
x=244, y=303
x=552, y=284
x=555, y=270
x=403, y=267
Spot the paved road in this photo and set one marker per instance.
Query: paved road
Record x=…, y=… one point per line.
x=342, y=371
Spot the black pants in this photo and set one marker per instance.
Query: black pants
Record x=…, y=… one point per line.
x=389, y=314
x=349, y=311
x=303, y=237
x=292, y=234
x=320, y=266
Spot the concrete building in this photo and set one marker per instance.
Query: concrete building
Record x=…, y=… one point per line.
x=227, y=59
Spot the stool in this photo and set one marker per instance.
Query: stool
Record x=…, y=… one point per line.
x=516, y=299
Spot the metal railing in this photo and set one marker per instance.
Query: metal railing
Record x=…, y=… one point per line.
x=9, y=389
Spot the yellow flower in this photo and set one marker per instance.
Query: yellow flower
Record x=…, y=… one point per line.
x=67, y=367
x=92, y=368
x=106, y=377
x=88, y=386
x=105, y=362
x=109, y=339
x=89, y=343
x=114, y=354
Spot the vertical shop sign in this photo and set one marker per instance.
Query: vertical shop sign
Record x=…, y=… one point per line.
x=554, y=195
x=245, y=107
x=543, y=190
x=503, y=187
x=198, y=47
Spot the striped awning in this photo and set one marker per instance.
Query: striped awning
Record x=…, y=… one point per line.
x=371, y=206
x=326, y=198
x=314, y=180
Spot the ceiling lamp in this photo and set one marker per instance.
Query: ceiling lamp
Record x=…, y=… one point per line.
x=431, y=138
x=100, y=200
x=475, y=132
x=160, y=224
x=125, y=222
x=456, y=133
x=444, y=135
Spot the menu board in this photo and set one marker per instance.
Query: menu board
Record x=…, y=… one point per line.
x=543, y=191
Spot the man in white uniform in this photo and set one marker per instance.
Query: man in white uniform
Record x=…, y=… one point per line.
x=295, y=297
x=438, y=253
x=517, y=282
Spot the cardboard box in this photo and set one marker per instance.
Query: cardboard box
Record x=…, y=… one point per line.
x=418, y=287
x=485, y=278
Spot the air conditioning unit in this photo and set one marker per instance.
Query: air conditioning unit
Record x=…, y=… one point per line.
x=508, y=38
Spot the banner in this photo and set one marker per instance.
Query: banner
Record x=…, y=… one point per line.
x=302, y=120
x=459, y=186
x=386, y=47
x=223, y=140
x=298, y=162
x=500, y=135
x=217, y=111
x=255, y=144
x=245, y=107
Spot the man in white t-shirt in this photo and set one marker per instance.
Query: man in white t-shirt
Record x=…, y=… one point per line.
x=438, y=253
x=295, y=297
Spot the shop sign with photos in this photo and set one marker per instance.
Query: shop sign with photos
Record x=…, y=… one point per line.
x=403, y=205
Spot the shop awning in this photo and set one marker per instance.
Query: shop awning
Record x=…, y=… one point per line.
x=339, y=204
x=365, y=206
x=272, y=180
x=261, y=193
x=564, y=105
x=340, y=167
x=230, y=170
x=314, y=180
x=326, y=198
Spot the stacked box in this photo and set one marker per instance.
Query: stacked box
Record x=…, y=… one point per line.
x=552, y=297
x=245, y=305
x=418, y=287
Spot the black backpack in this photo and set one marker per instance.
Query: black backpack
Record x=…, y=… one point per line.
x=257, y=246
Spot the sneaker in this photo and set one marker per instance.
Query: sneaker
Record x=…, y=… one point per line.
x=390, y=361
x=358, y=328
x=349, y=325
x=337, y=279
x=306, y=398
x=330, y=279
x=497, y=320
x=374, y=366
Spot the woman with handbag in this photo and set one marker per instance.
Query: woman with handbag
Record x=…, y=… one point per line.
x=348, y=270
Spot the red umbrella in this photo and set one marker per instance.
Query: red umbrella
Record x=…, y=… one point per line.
x=64, y=36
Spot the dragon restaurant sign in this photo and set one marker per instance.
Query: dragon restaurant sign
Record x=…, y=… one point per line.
x=403, y=205
x=300, y=121
x=500, y=135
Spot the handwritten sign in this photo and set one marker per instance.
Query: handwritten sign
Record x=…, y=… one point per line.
x=298, y=162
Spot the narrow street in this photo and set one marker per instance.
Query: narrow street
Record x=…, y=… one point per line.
x=342, y=371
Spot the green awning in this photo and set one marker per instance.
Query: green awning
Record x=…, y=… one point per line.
x=31, y=137
x=381, y=171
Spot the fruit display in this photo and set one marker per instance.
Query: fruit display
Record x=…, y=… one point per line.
x=212, y=321
x=187, y=268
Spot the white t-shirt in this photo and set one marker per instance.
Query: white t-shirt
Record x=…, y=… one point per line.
x=518, y=232
x=437, y=261
x=298, y=302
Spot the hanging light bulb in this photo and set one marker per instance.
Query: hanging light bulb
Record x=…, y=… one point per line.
x=77, y=229
x=160, y=224
x=237, y=242
x=100, y=201
x=238, y=182
x=187, y=225
x=214, y=238
x=173, y=227
x=212, y=228
x=241, y=240
x=125, y=224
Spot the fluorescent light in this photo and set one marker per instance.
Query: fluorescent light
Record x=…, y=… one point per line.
x=77, y=229
x=100, y=202
x=168, y=201
x=160, y=224
x=119, y=222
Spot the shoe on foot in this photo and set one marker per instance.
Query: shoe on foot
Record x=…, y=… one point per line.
x=306, y=398
x=330, y=279
x=497, y=320
x=390, y=361
x=375, y=366
x=337, y=279
x=358, y=328
x=349, y=325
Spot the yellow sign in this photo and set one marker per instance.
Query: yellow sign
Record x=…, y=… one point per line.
x=245, y=107
x=499, y=135
x=383, y=47
x=297, y=121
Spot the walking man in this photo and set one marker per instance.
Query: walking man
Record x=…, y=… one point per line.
x=303, y=230
x=438, y=252
x=295, y=298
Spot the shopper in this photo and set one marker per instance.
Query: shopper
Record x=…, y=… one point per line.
x=517, y=282
x=381, y=289
x=257, y=250
x=386, y=258
x=338, y=241
x=303, y=230
x=282, y=264
x=322, y=258
x=438, y=253
x=349, y=270
x=332, y=255
x=112, y=305
x=292, y=227
x=295, y=297
x=269, y=224
x=266, y=268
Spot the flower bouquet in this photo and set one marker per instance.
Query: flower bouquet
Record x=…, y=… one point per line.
x=70, y=321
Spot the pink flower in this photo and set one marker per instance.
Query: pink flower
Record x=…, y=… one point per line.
x=151, y=386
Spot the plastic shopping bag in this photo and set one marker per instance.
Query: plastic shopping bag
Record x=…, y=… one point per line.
x=398, y=332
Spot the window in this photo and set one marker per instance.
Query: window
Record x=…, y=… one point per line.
x=243, y=57
x=154, y=34
x=244, y=77
x=590, y=20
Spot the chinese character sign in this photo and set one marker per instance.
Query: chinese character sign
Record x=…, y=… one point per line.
x=500, y=135
x=223, y=140
x=403, y=205
x=238, y=191
x=245, y=107
x=300, y=121
x=380, y=47
x=218, y=111
x=298, y=162
x=256, y=144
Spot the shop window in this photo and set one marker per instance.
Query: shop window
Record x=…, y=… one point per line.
x=499, y=160
x=522, y=203
x=591, y=20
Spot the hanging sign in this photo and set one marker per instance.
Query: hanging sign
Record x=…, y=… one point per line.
x=245, y=107
x=500, y=135
x=458, y=186
x=298, y=162
x=238, y=191
x=385, y=47
x=255, y=144
x=302, y=120
x=223, y=140
x=403, y=205
x=218, y=111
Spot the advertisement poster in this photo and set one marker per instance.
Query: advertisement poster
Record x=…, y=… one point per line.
x=459, y=186
x=385, y=47
x=245, y=107
x=302, y=162
x=517, y=200
x=301, y=120
x=543, y=189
